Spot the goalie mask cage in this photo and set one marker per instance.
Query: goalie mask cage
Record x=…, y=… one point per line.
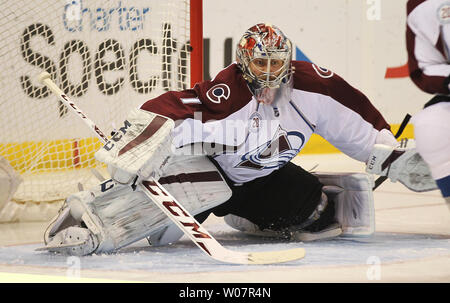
x=109, y=56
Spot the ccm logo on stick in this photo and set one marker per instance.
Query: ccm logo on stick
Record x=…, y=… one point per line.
x=175, y=209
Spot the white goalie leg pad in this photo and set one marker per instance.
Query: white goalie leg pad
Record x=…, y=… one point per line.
x=354, y=209
x=293, y=233
x=354, y=204
x=168, y=234
x=402, y=164
x=192, y=180
x=9, y=182
x=116, y=215
x=141, y=147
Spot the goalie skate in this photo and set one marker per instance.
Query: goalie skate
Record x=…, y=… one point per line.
x=329, y=232
x=73, y=240
x=296, y=235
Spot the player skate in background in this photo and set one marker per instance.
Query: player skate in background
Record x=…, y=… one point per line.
x=230, y=141
x=428, y=42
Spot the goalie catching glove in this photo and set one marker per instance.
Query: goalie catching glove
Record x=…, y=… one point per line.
x=403, y=164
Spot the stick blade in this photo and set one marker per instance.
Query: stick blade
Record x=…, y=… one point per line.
x=259, y=258
x=280, y=256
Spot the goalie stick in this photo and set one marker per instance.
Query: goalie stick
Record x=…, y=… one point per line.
x=176, y=212
x=405, y=121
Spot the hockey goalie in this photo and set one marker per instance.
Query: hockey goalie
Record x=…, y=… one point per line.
x=224, y=147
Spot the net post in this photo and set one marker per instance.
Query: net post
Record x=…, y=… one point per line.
x=196, y=35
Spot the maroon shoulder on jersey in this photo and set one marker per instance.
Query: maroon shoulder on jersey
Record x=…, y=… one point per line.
x=312, y=78
x=218, y=98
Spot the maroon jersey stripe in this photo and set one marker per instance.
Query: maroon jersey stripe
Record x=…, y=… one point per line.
x=149, y=131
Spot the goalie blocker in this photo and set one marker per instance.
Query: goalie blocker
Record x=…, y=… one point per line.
x=403, y=164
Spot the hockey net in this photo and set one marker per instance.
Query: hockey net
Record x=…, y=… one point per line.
x=109, y=56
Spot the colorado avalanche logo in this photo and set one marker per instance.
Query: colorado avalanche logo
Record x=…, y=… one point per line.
x=322, y=72
x=275, y=153
x=218, y=93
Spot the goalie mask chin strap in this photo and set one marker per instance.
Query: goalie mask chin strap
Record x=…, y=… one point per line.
x=405, y=121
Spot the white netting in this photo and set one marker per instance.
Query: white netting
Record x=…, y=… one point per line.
x=109, y=56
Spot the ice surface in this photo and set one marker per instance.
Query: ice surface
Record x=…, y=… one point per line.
x=183, y=256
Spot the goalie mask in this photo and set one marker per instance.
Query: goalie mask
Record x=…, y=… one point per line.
x=264, y=55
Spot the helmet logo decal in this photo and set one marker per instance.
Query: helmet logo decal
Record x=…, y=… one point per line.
x=218, y=93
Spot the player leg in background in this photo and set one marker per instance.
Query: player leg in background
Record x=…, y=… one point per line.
x=432, y=134
x=284, y=199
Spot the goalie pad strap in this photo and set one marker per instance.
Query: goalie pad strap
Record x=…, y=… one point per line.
x=208, y=176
